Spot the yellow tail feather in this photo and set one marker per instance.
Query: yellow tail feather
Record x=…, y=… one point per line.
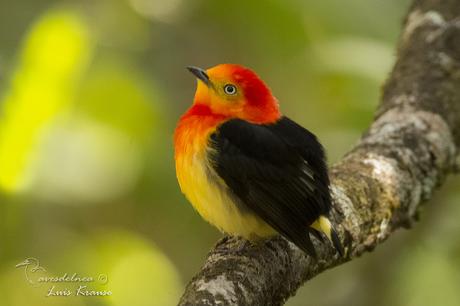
x=322, y=224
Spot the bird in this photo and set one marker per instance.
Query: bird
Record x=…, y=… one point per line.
x=31, y=265
x=246, y=168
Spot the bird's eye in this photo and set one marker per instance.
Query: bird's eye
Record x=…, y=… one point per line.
x=230, y=89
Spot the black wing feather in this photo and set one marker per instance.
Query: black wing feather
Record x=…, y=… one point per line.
x=277, y=171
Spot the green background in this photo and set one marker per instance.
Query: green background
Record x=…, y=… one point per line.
x=90, y=92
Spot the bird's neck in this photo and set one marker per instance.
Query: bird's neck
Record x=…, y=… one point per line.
x=265, y=113
x=194, y=127
x=270, y=113
x=203, y=111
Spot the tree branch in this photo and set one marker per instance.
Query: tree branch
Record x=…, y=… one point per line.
x=379, y=186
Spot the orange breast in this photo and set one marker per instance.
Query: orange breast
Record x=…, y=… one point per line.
x=203, y=187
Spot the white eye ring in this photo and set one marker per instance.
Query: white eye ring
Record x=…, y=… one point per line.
x=230, y=89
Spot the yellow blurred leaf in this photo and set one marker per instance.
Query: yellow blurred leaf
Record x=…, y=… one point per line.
x=55, y=53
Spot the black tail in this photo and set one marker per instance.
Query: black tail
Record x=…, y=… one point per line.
x=336, y=242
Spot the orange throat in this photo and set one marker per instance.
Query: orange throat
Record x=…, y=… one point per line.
x=194, y=128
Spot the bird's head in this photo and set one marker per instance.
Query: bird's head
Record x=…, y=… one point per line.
x=28, y=261
x=234, y=91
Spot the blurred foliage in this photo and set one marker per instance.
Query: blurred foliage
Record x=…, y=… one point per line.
x=54, y=53
x=89, y=95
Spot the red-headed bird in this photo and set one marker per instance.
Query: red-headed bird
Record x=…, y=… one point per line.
x=247, y=169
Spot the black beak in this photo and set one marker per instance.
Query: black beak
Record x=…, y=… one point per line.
x=200, y=74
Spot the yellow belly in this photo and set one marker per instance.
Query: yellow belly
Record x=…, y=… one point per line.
x=208, y=195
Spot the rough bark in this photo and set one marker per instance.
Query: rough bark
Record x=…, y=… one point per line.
x=379, y=186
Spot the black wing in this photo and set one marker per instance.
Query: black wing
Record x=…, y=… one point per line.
x=278, y=171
